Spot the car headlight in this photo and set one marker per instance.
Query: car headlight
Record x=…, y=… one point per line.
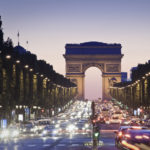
x=24, y=130
x=57, y=126
x=86, y=125
x=70, y=128
x=5, y=133
x=32, y=129
x=40, y=128
x=44, y=132
x=55, y=132
x=15, y=133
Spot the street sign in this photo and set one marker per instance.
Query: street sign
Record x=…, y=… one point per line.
x=3, y=123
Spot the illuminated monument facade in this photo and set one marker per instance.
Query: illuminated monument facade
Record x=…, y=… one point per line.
x=106, y=57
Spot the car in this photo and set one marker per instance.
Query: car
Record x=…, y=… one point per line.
x=125, y=122
x=136, y=137
x=4, y=133
x=83, y=128
x=9, y=133
x=129, y=137
x=101, y=120
x=28, y=128
x=118, y=114
x=105, y=112
x=107, y=120
x=115, y=120
x=135, y=123
x=50, y=130
x=71, y=129
x=42, y=123
x=119, y=134
x=63, y=127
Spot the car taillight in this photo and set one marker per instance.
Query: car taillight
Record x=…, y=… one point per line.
x=136, y=127
x=146, y=137
x=120, y=134
x=127, y=135
x=94, y=121
x=138, y=137
x=133, y=147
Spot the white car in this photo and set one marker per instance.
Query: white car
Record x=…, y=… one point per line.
x=115, y=120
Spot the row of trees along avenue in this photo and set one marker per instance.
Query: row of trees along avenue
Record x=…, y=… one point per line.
x=26, y=82
x=136, y=93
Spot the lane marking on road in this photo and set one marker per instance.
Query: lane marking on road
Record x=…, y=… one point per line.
x=111, y=144
x=61, y=145
x=75, y=144
x=46, y=145
x=55, y=144
x=31, y=145
x=89, y=144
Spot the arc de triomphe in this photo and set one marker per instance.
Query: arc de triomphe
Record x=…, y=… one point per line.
x=106, y=57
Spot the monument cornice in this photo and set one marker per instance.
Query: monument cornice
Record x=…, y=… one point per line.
x=75, y=74
x=112, y=73
x=92, y=57
x=93, y=47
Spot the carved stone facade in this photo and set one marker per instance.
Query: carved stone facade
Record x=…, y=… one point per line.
x=108, y=63
x=73, y=67
x=85, y=66
x=112, y=67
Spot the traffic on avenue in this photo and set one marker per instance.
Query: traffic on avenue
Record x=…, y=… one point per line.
x=84, y=125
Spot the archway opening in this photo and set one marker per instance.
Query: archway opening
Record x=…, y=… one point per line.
x=93, y=83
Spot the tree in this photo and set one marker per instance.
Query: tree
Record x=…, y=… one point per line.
x=1, y=34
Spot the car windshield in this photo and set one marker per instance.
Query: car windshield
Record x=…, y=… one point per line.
x=28, y=125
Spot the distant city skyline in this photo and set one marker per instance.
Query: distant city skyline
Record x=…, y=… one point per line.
x=48, y=25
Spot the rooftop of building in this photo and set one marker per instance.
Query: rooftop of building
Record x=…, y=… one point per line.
x=93, y=48
x=20, y=49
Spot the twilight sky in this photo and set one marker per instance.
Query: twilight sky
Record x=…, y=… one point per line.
x=49, y=24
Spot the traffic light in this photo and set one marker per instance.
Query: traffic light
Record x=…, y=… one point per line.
x=96, y=132
x=96, y=135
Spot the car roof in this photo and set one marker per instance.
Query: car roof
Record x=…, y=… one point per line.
x=139, y=131
x=125, y=127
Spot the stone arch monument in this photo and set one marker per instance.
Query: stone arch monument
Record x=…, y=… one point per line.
x=106, y=57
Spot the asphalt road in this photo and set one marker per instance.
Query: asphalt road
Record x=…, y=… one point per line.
x=69, y=142
x=77, y=115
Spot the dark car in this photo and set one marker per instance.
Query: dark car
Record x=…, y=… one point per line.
x=133, y=138
x=50, y=130
x=122, y=131
x=119, y=135
x=28, y=128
